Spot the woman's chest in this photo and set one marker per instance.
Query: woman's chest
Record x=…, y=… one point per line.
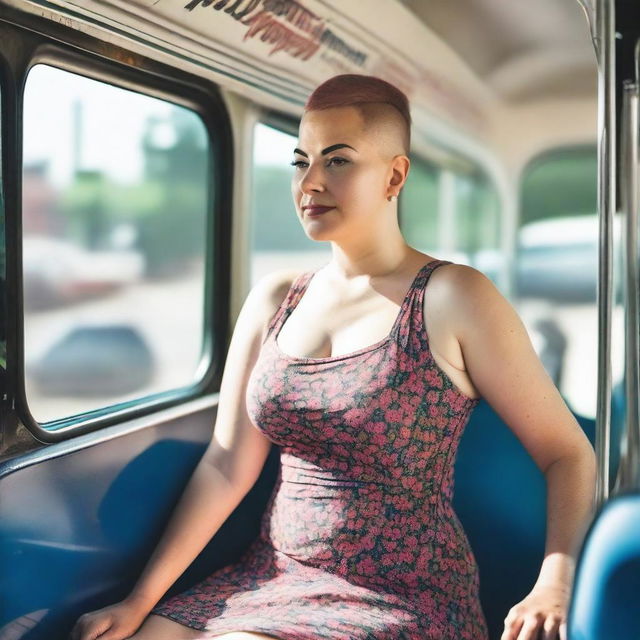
x=324, y=329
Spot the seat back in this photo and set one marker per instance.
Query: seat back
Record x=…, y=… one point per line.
x=500, y=498
x=604, y=601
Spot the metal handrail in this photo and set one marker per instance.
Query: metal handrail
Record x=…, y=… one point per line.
x=604, y=43
x=629, y=469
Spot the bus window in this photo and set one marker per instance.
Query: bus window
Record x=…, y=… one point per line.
x=477, y=216
x=418, y=206
x=114, y=212
x=452, y=214
x=557, y=271
x=278, y=239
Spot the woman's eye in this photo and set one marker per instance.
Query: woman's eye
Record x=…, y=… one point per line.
x=337, y=161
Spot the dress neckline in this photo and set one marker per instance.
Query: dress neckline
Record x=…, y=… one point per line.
x=362, y=350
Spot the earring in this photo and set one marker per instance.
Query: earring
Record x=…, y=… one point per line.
x=392, y=198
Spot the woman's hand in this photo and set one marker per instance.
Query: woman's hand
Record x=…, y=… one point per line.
x=542, y=615
x=115, y=622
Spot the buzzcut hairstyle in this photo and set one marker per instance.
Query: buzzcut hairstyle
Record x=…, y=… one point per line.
x=364, y=93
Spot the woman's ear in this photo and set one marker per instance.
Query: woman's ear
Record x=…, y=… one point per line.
x=399, y=171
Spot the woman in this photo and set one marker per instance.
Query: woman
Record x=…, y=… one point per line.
x=359, y=539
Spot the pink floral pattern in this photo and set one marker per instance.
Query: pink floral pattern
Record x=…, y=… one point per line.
x=359, y=540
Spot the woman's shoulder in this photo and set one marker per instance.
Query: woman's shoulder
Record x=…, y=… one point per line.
x=271, y=289
x=264, y=299
x=458, y=300
x=457, y=277
x=461, y=293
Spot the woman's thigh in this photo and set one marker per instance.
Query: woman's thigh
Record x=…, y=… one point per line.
x=157, y=627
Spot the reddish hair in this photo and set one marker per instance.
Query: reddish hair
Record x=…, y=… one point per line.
x=355, y=90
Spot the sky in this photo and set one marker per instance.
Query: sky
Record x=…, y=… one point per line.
x=112, y=123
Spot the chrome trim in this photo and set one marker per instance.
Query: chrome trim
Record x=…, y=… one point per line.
x=605, y=49
x=74, y=444
x=628, y=476
x=590, y=13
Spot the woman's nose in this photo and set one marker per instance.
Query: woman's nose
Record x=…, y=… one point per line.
x=312, y=180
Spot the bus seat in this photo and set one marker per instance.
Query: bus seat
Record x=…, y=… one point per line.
x=116, y=499
x=607, y=583
x=500, y=498
x=47, y=584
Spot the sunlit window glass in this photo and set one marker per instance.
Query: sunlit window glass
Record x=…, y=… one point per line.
x=278, y=238
x=114, y=208
x=557, y=270
x=419, y=202
x=477, y=223
x=477, y=214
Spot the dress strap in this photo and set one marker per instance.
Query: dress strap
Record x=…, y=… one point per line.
x=288, y=304
x=411, y=321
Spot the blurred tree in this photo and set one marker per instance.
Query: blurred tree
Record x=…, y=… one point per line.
x=275, y=224
x=85, y=208
x=477, y=213
x=168, y=206
x=419, y=201
x=177, y=168
x=562, y=182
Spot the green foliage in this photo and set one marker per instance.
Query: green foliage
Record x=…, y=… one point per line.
x=276, y=226
x=560, y=183
x=419, y=206
x=168, y=207
x=174, y=227
x=176, y=232
x=477, y=213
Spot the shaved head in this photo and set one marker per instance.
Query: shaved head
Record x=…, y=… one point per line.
x=384, y=109
x=382, y=124
x=386, y=123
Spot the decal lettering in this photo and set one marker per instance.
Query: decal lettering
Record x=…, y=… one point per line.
x=238, y=15
x=205, y=3
x=279, y=23
x=338, y=45
x=284, y=39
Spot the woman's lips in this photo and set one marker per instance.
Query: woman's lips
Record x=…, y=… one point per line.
x=312, y=211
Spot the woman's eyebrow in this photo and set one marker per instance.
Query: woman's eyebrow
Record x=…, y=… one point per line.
x=324, y=152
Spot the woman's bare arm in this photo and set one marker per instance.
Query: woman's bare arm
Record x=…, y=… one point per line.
x=233, y=460
x=506, y=370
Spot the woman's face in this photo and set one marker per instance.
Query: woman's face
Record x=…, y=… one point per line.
x=340, y=166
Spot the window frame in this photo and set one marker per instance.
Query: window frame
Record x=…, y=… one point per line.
x=76, y=52
x=277, y=120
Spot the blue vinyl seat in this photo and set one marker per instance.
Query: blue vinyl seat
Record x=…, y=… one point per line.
x=500, y=498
